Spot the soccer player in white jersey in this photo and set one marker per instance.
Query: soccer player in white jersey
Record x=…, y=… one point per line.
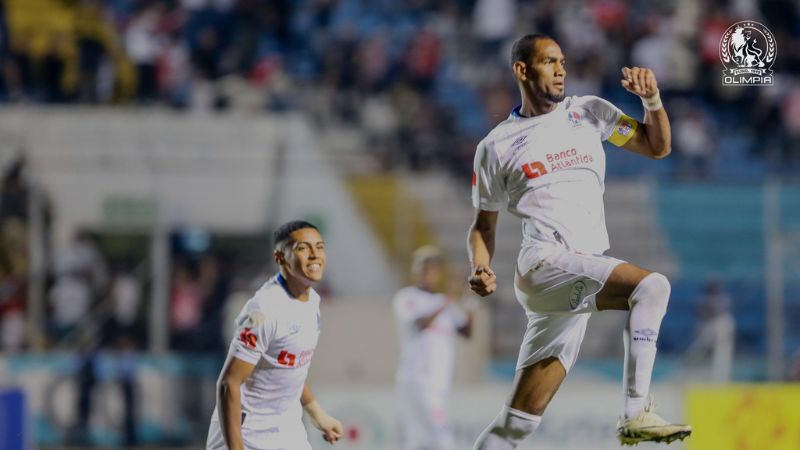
x=546, y=165
x=429, y=322
x=262, y=390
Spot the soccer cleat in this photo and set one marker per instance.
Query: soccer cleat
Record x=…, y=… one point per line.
x=648, y=426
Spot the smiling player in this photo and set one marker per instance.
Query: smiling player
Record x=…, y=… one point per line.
x=262, y=390
x=546, y=164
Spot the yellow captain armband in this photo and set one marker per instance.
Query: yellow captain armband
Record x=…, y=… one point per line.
x=623, y=131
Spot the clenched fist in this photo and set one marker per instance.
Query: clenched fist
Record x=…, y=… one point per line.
x=483, y=281
x=640, y=81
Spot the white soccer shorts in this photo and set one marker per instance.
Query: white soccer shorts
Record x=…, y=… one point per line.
x=558, y=291
x=263, y=433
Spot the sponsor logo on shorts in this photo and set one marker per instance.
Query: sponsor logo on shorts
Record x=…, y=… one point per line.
x=645, y=335
x=576, y=295
x=747, y=50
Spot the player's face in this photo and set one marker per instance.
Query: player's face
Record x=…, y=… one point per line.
x=548, y=71
x=305, y=256
x=430, y=277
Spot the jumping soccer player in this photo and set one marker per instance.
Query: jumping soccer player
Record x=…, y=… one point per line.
x=546, y=164
x=262, y=390
x=429, y=323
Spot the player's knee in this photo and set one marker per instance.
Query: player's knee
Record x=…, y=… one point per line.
x=653, y=290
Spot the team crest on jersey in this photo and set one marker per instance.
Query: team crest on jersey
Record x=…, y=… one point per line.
x=575, y=118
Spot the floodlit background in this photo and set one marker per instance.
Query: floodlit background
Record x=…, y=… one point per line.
x=149, y=147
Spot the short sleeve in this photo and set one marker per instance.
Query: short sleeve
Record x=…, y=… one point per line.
x=614, y=125
x=254, y=330
x=488, y=185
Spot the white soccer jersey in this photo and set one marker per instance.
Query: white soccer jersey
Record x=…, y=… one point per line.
x=278, y=334
x=428, y=355
x=549, y=170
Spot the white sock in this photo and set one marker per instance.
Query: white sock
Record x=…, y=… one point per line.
x=648, y=304
x=508, y=429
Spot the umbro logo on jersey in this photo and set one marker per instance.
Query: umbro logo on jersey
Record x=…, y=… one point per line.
x=518, y=142
x=294, y=329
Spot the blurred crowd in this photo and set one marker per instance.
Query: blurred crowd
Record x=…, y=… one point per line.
x=14, y=259
x=94, y=286
x=425, y=79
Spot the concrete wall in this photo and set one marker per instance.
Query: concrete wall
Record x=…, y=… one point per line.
x=222, y=173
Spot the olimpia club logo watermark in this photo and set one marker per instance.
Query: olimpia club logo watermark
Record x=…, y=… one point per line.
x=747, y=50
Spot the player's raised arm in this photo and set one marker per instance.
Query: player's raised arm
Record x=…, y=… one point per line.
x=480, y=245
x=654, y=138
x=331, y=427
x=229, y=400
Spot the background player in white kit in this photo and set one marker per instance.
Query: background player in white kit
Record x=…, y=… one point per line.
x=429, y=322
x=262, y=390
x=546, y=164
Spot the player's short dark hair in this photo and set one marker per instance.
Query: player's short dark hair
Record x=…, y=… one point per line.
x=283, y=233
x=524, y=47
